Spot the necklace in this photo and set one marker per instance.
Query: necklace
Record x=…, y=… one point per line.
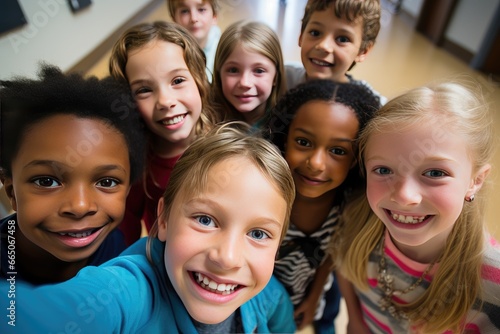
x=386, y=284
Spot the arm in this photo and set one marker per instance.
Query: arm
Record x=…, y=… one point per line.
x=306, y=310
x=355, y=323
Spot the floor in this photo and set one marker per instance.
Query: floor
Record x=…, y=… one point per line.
x=401, y=59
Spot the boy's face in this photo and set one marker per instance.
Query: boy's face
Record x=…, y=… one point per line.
x=198, y=17
x=319, y=147
x=221, y=242
x=69, y=183
x=330, y=45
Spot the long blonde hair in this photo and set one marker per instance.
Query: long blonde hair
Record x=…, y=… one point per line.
x=253, y=36
x=454, y=288
x=143, y=34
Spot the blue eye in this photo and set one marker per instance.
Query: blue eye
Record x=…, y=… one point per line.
x=382, y=171
x=435, y=173
x=205, y=220
x=258, y=234
x=46, y=182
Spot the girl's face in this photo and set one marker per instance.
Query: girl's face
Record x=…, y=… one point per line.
x=319, y=146
x=248, y=79
x=197, y=16
x=417, y=181
x=166, y=93
x=69, y=188
x=221, y=242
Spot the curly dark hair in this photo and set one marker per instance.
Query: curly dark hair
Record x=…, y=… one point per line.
x=356, y=96
x=25, y=102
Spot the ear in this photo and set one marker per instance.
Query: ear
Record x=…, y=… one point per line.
x=478, y=180
x=362, y=54
x=162, y=223
x=9, y=190
x=354, y=163
x=300, y=40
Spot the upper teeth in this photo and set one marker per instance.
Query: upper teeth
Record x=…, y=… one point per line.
x=319, y=62
x=407, y=219
x=213, y=286
x=174, y=120
x=77, y=235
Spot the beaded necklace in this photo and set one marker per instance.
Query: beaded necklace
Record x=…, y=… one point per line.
x=386, y=284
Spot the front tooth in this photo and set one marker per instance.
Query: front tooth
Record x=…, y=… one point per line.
x=205, y=281
x=212, y=285
x=221, y=287
x=409, y=219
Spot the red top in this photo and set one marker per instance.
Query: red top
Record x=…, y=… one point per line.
x=141, y=202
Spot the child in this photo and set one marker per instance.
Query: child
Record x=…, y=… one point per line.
x=70, y=148
x=214, y=252
x=199, y=17
x=334, y=36
x=172, y=98
x=248, y=72
x=420, y=259
x=316, y=125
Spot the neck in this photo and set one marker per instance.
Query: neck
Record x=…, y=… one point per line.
x=255, y=115
x=308, y=214
x=167, y=149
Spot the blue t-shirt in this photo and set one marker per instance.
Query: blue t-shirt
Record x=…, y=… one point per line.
x=128, y=294
x=111, y=247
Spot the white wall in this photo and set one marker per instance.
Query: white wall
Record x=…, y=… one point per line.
x=470, y=23
x=412, y=7
x=57, y=35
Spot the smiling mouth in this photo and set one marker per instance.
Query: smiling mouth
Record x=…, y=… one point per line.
x=82, y=234
x=407, y=219
x=173, y=120
x=320, y=63
x=212, y=286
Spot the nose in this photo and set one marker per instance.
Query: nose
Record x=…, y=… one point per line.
x=405, y=192
x=194, y=16
x=165, y=100
x=316, y=161
x=78, y=202
x=245, y=80
x=227, y=253
x=326, y=44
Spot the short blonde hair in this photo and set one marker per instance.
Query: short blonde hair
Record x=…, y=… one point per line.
x=233, y=139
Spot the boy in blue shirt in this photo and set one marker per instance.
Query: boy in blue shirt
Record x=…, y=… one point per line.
x=207, y=265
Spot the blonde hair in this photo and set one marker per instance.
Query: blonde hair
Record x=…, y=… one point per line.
x=143, y=34
x=174, y=4
x=454, y=288
x=256, y=37
x=233, y=139
x=368, y=10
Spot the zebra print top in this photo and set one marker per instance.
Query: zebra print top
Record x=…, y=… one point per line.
x=300, y=255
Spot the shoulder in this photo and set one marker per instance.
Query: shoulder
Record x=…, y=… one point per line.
x=295, y=74
x=110, y=248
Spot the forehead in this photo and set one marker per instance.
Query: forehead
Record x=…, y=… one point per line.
x=325, y=114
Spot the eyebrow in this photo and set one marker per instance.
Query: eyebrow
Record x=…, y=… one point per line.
x=348, y=140
x=172, y=72
x=318, y=23
x=60, y=165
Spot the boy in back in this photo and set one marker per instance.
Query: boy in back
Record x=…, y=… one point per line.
x=199, y=17
x=334, y=36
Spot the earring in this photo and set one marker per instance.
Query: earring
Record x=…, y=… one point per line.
x=470, y=198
